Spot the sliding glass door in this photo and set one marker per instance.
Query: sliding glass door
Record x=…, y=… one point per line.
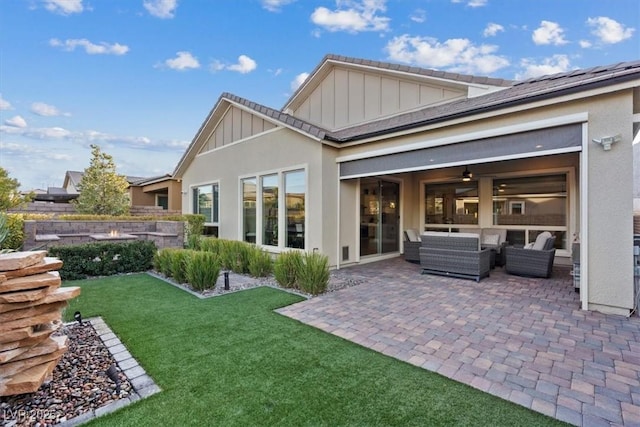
x=379, y=216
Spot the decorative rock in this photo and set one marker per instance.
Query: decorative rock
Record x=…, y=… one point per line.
x=18, y=260
x=47, y=264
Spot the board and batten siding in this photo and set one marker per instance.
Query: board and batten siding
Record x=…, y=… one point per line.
x=348, y=97
x=236, y=124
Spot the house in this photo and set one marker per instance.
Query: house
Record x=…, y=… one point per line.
x=365, y=149
x=163, y=191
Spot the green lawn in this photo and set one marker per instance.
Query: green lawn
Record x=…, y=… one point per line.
x=231, y=360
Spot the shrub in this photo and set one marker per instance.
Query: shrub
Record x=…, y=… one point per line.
x=235, y=255
x=194, y=225
x=211, y=244
x=203, y=269
x=193, y=242
x=162, y=261
x=14, y=226
x=260, y=263
x=313, y=277
x=287, y=267
x=104, y=259
x=179, y=261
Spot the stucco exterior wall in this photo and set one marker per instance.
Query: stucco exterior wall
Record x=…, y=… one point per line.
x=270, y=152
x=610, y=204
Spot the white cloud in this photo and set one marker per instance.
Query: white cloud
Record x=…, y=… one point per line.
x=457, y=55
x=102, y=48
x=245, y=65
x=553, y=65
x=46, y=110
x=419, y=16
x=492, y=29
x=549, y=33
x=585, y=44
x=183, y=61
x=164, y=9
x=4, y=104
x=609, y=31
x=352, y=16
x=472, y=3
x=16, y=121
x=297, y=82
x=64, y=7
x=275, y=5
x=91, y=136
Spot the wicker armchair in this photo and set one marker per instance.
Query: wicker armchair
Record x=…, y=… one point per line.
x=412, y=246
x=531, y=262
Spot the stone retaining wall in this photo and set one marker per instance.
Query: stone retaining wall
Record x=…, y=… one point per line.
x=43, y=234
x=57, y=209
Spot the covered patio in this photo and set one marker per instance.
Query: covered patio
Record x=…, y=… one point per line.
x=522, y=339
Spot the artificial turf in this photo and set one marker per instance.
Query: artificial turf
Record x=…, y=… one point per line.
x=231, y=360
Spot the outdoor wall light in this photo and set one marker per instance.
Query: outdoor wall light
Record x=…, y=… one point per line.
x=466, y=175
x=607, y=141
x=112, y=373
x=78, y=317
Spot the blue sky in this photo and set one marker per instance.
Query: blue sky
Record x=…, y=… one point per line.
x=138, y=77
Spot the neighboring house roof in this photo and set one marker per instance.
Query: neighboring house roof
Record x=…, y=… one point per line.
x=72, y=178
x=510, y=93
x=152, y=180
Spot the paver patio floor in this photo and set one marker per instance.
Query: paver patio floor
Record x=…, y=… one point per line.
x=522, y=339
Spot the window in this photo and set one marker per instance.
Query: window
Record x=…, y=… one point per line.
x=274, y=209
x=544, y=197
x=162, y=200
x=530, y=205
x=295, y=189
x=270, y=210
x=249, y=210
x=205, y=202
x=451, y=203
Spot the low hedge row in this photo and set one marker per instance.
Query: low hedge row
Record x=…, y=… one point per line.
x=308, y=272
x=104, y=259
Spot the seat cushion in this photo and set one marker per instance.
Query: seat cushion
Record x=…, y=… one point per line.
x=412, y=235
x=490, y=239
x=541, y=240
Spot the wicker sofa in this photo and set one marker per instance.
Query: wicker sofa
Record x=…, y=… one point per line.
x=412, y=245
x=454, y=254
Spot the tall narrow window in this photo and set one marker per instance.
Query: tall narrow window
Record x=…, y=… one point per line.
x=295, y=189
x=205, y=202
x=249, y=210
x=270, y=210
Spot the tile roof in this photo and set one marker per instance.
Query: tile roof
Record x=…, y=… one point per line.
x=278, y=115
x=521, y=92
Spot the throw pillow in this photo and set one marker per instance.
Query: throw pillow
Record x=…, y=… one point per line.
x=541, y=240
x=491, y=239
x=529, y=246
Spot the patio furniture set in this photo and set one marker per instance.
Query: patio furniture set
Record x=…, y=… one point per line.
x=474, y=253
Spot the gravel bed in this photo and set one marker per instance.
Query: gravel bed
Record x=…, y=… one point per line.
x=238, y=282
x=79, y=384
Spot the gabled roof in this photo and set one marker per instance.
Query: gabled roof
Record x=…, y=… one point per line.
x=219, y=109
x=152, y=180
x=442, y=77
x=519, y=93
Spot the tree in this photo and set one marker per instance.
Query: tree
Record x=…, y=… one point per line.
x=10, y=196
x=102, y=190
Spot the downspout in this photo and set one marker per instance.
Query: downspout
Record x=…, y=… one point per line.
x=338, y=221
x=584, y=219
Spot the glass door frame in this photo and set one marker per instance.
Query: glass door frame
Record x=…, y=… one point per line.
x=371, y=217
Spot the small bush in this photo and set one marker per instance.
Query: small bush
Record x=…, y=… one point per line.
x=202, y=270
x=179, y=260
x=235, y=255
x=14, y=225
x=211, y=244
x=286, y=268
x=162, y=261
x=193, y=242
x=260, y=263
x=313, y=277
x=104, y=259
